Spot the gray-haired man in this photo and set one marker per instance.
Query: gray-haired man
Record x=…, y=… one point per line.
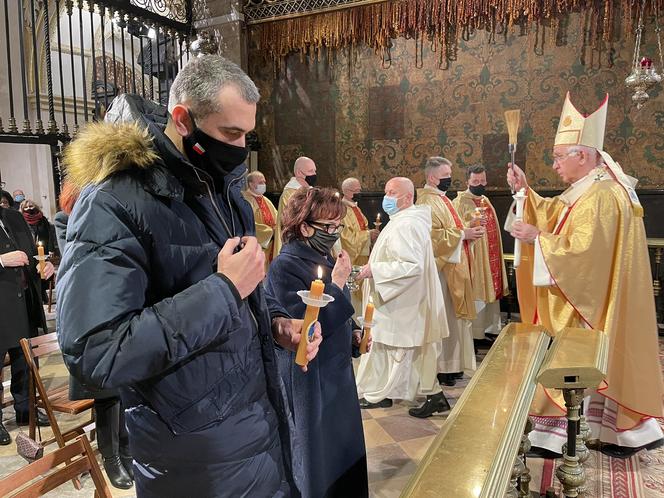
x=159, y=289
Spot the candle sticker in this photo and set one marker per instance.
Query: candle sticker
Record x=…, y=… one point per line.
x=311, y=331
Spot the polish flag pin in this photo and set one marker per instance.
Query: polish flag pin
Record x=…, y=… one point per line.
x=199, y=149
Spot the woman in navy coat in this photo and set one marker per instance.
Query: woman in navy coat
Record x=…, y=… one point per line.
x=328, y=451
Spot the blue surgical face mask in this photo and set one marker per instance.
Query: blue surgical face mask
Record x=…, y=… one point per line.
x=390, y=205
x=19, y=198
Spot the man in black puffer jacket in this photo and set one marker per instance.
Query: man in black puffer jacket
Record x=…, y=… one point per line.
x=159, y=290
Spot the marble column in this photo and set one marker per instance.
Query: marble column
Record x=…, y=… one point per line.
x=224, y=20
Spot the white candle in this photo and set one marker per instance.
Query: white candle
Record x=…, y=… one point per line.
x=520, y=198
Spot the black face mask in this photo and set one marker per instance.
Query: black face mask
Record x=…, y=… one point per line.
x=322, y=242
x=477, y=189
x=311, y=180
x=214, y=156
x=444, y=184
x=31, y=210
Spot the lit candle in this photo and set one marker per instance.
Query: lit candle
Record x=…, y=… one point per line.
x=42, y=259
x=366, y=334
x=377, y=223
x=476, y=217
x=310, y=316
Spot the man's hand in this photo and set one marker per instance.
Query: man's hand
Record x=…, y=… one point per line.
x=474, y=233
x=524, y=232
x=357, y=339
x=341, y=269
x=516, y=177
x=245, y=268
x=365, y=272
x=288, y=333
x=49, y=270
x=14, y=259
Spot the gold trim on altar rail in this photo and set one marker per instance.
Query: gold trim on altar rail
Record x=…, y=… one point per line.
x=474, y=454
x=577, y=359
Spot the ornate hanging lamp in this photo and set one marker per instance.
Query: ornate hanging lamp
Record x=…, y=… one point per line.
x=644, y=75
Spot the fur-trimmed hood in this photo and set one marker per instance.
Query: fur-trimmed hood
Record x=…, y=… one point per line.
x=103, y=149
x=131, y=137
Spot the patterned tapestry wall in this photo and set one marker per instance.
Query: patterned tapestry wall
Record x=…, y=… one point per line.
x=366, y=117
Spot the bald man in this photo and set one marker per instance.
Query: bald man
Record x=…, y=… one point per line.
x=265, y=214
x=304, y=175
x=356, y=237
x=410, y=320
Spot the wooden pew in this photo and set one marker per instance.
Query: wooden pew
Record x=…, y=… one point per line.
x=476, y=450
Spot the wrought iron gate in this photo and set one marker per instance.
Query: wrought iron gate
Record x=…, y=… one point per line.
x=65, y=60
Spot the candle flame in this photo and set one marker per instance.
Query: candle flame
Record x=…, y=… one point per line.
x=378, y=216
x=39, y=243
x=320, y=273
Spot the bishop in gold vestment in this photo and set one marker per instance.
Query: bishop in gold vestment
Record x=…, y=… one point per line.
x=304, y=175
x=451, y=247
x=488, y=267
x=585, y=264
x=265, y=214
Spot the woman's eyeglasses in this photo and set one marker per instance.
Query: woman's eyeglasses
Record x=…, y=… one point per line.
x=327, y=227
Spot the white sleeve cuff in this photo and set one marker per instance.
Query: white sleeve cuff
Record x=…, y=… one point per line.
x=455, y=258
x=541, y=275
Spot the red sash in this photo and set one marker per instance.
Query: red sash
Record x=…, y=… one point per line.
x=360, y=217
x=459, y=225
x=495, y=261
x=268, y=219
x=562, y=222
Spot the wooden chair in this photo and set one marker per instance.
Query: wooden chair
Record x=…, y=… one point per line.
x=78, y=457
x=7, y=400
x=55, y=400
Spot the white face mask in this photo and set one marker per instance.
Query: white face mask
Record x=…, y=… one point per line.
x=260, y=188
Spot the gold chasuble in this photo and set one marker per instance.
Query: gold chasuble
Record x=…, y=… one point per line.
x=446, y=233
x=355, y=238
x=265, y=219
x=594, y=248
x=356, y=241
x=291, y=187
x=488, y=267
x=589, y=268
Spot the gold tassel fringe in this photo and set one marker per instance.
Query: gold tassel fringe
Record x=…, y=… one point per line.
x=441, y=22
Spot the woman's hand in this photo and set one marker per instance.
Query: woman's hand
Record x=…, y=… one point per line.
x=341, y=270
x=288, y=333
x=357, y=339
x=14, y=259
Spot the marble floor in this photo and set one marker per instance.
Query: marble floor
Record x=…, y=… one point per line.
x=396, y=442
